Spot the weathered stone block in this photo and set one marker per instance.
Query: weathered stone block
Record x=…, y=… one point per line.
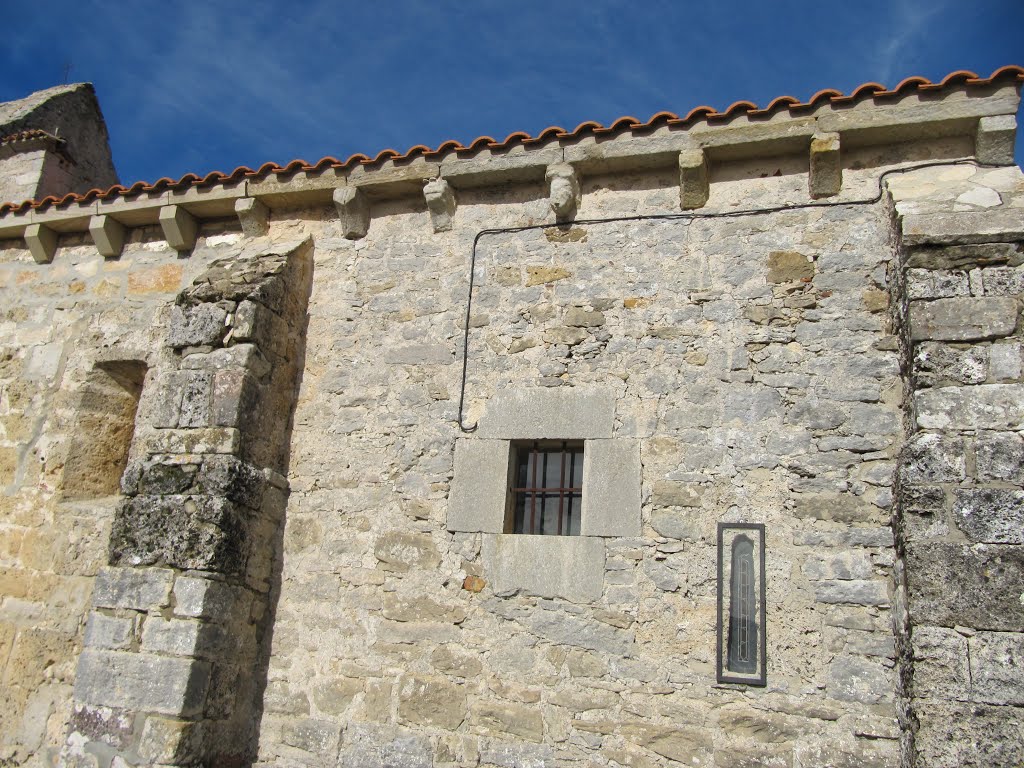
x=968, y=735
x=938, y=363
x=203, y=598
x=937, y=283
x=826, y=170
x=333, y=697
x=536, y=414
x=611, y=495
x=843, y=565
x=1000, y=456
x=1000, y=225
x=166, y=741
x=235, y=396
x=232, y=478
x=855, y=679
x=431, y=701
x=102, y=631
x=569, y=567
x=962, y=585
x=997, y=667
x=940, y=663
x=987, y=406
x=502, y=719
x=203, y=440
x=178, y=637
x=932, y=458
x=962, y=319
x=694, y=189
x=689, y=746
x=994, y=515
x=852, y=591
x=373, y=746
x=140, y=589
x=142, y=682
x=401, y=551
x=202, y=325
x=479, y=486
x=563, y=628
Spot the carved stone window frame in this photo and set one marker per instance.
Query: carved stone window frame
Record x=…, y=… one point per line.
x=754, y=609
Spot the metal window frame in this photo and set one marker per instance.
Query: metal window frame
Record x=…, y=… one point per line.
x=760, y=679
x=533, y=490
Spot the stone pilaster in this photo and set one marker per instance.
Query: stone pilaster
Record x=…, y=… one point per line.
x=172, y=670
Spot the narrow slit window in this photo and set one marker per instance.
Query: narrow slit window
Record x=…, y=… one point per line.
x=741, y=604
x=546, y=489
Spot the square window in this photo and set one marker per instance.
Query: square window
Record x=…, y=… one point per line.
x=545, y=488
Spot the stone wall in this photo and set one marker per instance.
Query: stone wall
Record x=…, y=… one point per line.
x=960, y=518
x=68, y=330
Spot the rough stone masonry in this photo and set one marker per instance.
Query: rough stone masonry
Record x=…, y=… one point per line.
x=254, y=511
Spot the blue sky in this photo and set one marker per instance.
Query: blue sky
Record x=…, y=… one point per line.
x=200, y=86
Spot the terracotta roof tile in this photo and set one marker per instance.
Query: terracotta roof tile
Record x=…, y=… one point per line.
x=830, y=95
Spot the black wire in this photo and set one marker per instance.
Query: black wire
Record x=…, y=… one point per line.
x=681, y=216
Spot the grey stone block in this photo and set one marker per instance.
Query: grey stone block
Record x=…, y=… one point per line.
x=440, y=201
x=353, y=210
x=569, y=567
x=941, y=666
x=854, y=592
x=994, y=142
x=373, y=746
x=196, y=326
x=1000, y=456
x=1005, y=362
x=479, y=490
x=140, y=589
x=203, y=598
x=180, y=227
x=419, y=354
x=611, y=488
x=987, y=406
x=563, y=628
x=575, y=413
x=932, y=458
x=866, y=681
x=997, y=667
x=694, y=189
x=963, y=318
x=142, y=682
x=993, y=515
x=102, y=631
x=176, y=637
x=993, y=226
x=938, y=363
x=968, y=735
x=961, y=585
x=826, y=170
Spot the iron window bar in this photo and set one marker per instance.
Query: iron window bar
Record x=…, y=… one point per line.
x=536, y=491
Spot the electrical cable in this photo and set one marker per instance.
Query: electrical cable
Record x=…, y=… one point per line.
x=681, y=216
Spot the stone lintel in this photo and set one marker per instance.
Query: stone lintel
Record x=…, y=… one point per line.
x=611, y=488
x=694, y=188
x=567, y=567
x=563, y=190
x=479, y=486
x=42, y=242
x=994, y=142
x=180, y=227
x=108, y=234
x=963, y=227
x=353, y=210
x=519, y=165
x=537, y=413
x=826, y=170
x=440, y=203
x=253, y=215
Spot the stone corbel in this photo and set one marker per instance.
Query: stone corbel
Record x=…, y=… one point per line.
x=180, y=227
x=42, y=242
x=995, y=138
x=440, y=203
x=354, y=211
x=253, y=216
x=563, y=190
x=694, y=189
x=108, y=234
x=826, y=170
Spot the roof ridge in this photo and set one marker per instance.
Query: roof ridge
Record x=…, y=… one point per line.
x=860, y=93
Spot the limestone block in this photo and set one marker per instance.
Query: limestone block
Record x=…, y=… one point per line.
x=332, y=697
x=963, y=585
x=176, y=637
x=235, y=396
x=564, y=193
x=140, y=589
x=968, y=735
x=826, y=170
x=431, y=701
x=167, y=741
x=253, y=215
x=503, y=719
x=208, y=440
x=569, y=567
x=861, y=680
x=440, y=204
x=401, y=551
x=993, y=515
x=941, y=666
x=938, y=363
x=142, y=682
x=1003, y=281
x=991, y=226
x=694, y=189
x=611, y=488
x=354, y=211
x=932, y=458
x=997, y=667
x=963, y=319
x=203, y=598
x=419, y=354
x=536, y=414
x=937, y=283
x=108, y=234
x=103, y=631
x=42, y=242
x=686, y=745
x=853, y=591
x=180, y=227
x=1006, y=362
x=376, y=746
x=986, y=406
x=994, y=142
x=232, y=478
x=201, y=325
x=1000, y=456
x=479, y=490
